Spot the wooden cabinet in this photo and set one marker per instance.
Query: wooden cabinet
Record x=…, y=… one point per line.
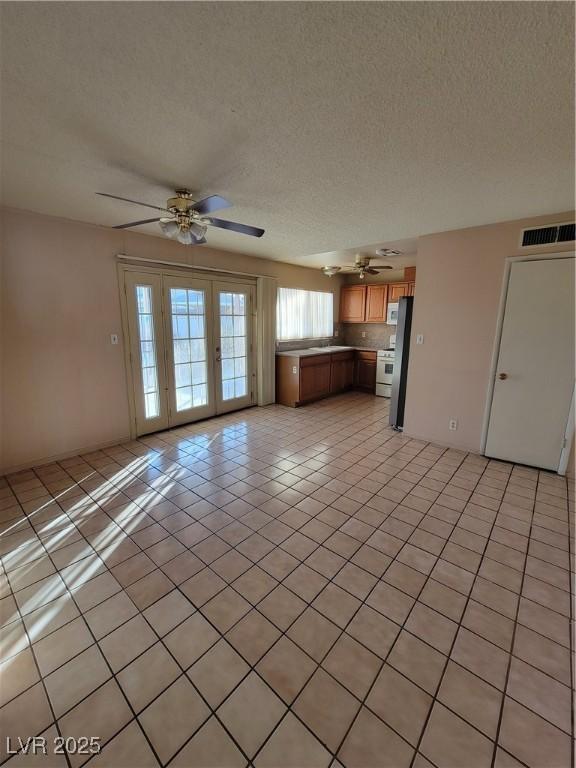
x=365, y=376
x=397, y=290
x=368, y=303
x=410, y=274
x=314, y=377
x=302, y=379
x=376, y=303
x=352, y=303
x=342, y=371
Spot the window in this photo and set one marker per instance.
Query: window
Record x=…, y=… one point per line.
x=303, y=314
x=147, y=351
x=189, y=339
x=233, y=339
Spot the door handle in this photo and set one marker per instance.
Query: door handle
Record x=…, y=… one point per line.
x=502, y=376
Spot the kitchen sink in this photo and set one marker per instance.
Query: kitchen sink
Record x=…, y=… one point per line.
x=330, y=348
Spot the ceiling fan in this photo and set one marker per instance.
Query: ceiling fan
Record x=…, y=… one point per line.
x=185, y=219
x=361, y=266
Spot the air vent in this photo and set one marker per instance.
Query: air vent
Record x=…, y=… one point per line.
x=566, y=233
x=559, y=233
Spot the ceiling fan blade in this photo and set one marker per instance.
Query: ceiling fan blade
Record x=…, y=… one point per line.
x=235, y=227
x=209, y=204
x=387, y=266
x=136, y=202
x=135, y=223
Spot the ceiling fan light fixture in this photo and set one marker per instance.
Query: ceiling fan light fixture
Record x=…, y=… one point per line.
x=170, y=228
x=185, y=237
x=198, y=230
x=330, y=270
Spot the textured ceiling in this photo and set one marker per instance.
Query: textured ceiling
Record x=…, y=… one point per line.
x=331, y=125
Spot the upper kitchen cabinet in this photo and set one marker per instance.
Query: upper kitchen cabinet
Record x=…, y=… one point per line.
x=376, y=303
x=397, y=290
x=410, y=276
x=352, y=303
x=368, y=303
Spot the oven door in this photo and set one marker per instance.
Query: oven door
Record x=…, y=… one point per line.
x=392, y=314
x=387, y=373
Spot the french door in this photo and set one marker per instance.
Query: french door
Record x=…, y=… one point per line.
x=191, y=348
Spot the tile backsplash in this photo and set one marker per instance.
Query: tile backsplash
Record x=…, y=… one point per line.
x=377, y=334
x=336, y=338
x=347, y=334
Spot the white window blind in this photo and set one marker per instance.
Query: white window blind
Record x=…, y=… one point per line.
x=303, y=314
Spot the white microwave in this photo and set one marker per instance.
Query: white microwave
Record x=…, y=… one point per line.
x=392, y=314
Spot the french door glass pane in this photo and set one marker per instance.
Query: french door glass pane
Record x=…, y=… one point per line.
x=188, y=314
x=147, y=351
x=233, y=345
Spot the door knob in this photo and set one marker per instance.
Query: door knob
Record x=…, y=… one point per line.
x=502, y=376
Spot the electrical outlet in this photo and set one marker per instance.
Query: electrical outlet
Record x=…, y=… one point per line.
x=336, y=332
x=294, y=369
x=453, y=425
x=419, y=338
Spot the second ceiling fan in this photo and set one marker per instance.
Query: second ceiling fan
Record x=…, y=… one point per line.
x=185, y=219
x=361, y=267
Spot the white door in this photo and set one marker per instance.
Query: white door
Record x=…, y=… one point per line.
x=233, y=303
x=535, y=372
x=191, y=348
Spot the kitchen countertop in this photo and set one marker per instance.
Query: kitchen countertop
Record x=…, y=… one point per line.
x=323, y=351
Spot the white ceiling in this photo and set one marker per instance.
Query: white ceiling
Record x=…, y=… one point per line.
x=331, y=125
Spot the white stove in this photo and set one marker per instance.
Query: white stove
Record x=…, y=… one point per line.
x=384, y=372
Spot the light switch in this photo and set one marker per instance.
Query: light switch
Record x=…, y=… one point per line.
x=420, y=338
x=114, y=338
x=363, y=334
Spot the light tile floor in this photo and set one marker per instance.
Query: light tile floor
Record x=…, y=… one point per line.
x=286, y=587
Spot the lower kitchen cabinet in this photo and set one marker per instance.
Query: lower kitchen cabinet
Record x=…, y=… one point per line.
x=341, y=371
x=302, y=379
x=365, y=377
x=314, y=377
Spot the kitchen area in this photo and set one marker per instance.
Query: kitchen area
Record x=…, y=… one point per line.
x=369, y=351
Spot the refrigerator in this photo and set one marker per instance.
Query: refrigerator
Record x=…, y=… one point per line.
x=400, y=373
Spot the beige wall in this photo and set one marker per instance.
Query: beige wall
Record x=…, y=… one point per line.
x=62, y=383
x=63, y=386
x=458, y=288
